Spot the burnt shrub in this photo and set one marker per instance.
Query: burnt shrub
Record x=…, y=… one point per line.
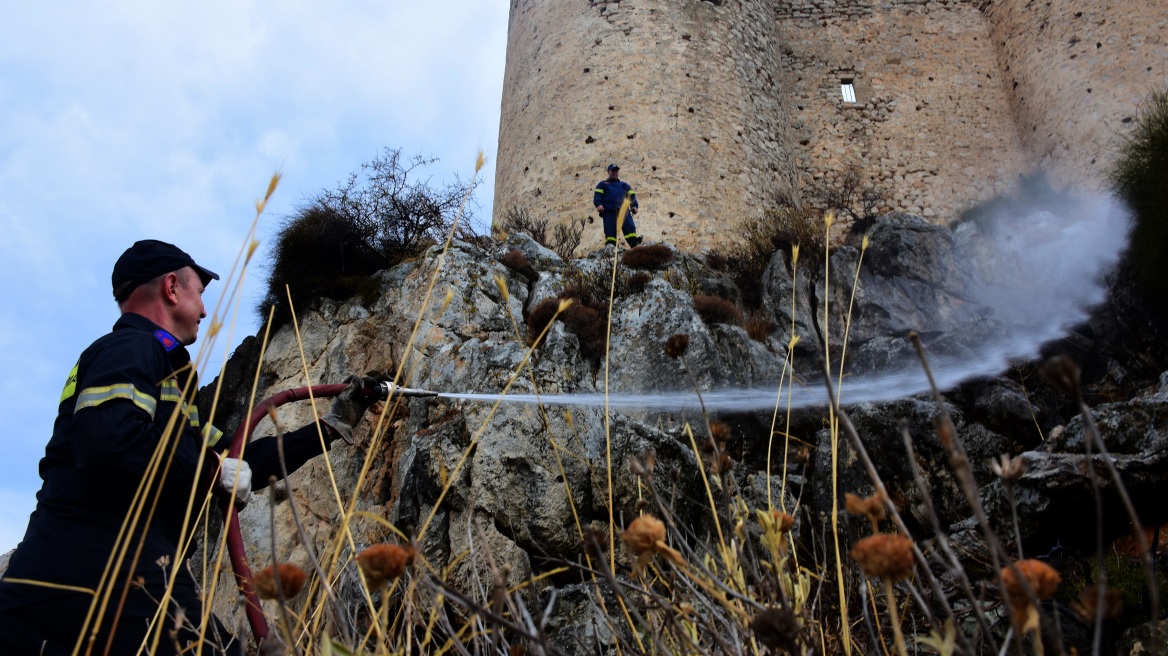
x=515, y=260
x=638, y=281
x=715, y=309
x=590, y=327
x=649, y=256
x=384, y=214
x=1140, y=177
x=759, y=327
x=540, y=316
x=584, y=318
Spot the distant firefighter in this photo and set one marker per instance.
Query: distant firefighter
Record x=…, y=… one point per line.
x=608, y=197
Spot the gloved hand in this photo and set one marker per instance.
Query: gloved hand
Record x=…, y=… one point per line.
x=229, y=470
x=348, y=406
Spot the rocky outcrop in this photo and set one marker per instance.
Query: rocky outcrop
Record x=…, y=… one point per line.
x=528, y=486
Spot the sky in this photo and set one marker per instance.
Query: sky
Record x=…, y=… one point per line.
x=127, y=120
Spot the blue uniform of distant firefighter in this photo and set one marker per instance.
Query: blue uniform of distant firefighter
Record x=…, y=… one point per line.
x=608, y=197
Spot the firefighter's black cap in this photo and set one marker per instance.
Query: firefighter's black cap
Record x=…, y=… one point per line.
x=149, y=258
x=612, y=167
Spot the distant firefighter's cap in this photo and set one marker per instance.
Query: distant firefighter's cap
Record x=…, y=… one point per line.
x=148, y=259
x=613, y=167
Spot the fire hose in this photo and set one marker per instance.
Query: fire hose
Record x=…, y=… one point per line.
x=243, y=576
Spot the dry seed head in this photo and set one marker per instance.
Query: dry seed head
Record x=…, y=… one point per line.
x=864, y=243
x=480, y=161
x=1008, y=469
x=794, y=254
x=384, y=562
x=676, y=345
x=1042, y=578
x=272, y=184
x=720, y=432
x=884, y=555
x=1043, y=581
x=829, y=218
x=446, y=301
x=502, y=286
x=291, y=581
x=565, y=303
x=871, y=507
x=643, y=534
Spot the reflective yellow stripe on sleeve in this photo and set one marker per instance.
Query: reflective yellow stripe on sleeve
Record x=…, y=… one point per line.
x=599, y=191
x=211, y=435
x=91, y=397
x=170, y=391
x=70, y=385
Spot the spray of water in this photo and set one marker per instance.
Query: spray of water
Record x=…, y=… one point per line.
x=1036, y=263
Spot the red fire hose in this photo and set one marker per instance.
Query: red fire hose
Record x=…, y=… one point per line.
x=243, y=578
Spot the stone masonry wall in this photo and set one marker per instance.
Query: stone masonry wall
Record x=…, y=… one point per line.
x=1076, y=72
x=719, y=109
x=931, y=126
x=665, y=89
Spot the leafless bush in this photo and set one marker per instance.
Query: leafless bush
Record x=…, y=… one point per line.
x=566, y=236
x=849, y=196
x=519, y=219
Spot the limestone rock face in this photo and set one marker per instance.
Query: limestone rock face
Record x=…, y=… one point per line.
x=474, y=481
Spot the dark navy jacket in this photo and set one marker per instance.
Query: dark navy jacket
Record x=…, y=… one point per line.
x=611, y=193
x=113, y=414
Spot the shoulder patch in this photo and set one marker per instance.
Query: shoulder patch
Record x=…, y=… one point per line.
x=70, y=385
x=168, y=341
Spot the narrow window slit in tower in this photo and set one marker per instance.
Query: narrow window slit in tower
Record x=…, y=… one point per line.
x=848, y=90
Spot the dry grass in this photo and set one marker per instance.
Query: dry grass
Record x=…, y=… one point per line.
x=748, y=578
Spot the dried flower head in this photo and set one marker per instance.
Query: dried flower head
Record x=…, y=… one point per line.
x=384, y=562
x=884, y=555
x=676, y=345
x=1008, y=469
x=871, y=507
x=720, y=432
x=778, y=630
x=643, y=534
x=644, y=537
x=290, y=581
x=1043, y=581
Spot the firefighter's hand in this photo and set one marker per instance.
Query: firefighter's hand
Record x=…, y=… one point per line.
x=633, y=210
x=347, y=408
x=600, y=208
x=234, y=477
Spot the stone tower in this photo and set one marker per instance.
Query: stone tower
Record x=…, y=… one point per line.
x=718, y=110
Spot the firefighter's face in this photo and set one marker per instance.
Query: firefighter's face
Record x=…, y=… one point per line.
x=189, y=310
x=613, y=174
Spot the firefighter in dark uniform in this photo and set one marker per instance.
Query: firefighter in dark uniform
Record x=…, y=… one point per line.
x=608, y=197
x=112, y=420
